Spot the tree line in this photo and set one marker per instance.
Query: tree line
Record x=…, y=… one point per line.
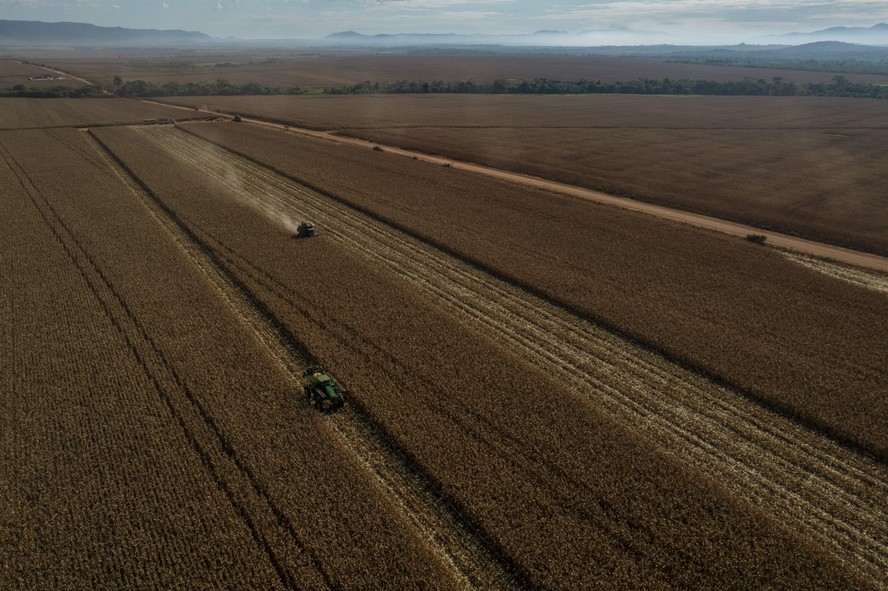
x=22, y=91
x=218, y=87
x=839, y=86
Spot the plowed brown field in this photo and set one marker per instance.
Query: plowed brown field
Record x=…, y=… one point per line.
x=806, y=166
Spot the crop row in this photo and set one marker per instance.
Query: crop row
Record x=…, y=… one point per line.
x=306, y=513
x=606, y=510
x=809, y=345
x=98, y=487
x=557, y=113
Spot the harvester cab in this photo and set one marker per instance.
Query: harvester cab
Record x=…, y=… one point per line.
x=322, y=391
x=305, y=230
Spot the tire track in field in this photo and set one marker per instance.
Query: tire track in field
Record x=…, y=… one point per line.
x=475, y=564
x=809, y=483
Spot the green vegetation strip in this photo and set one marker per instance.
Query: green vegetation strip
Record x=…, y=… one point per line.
x=838, y=86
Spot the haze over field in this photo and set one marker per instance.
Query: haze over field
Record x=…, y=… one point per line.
x=589, y=22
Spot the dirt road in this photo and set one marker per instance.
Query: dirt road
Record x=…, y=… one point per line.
x=818, y=249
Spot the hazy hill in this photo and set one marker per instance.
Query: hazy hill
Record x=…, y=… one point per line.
x=875, y=35
x=831, y=50
x=82, y=34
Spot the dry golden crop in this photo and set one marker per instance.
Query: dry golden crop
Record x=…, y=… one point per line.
x=808, y=345
x=563, y=493
x=148, y=439
x=13, y=73
x=99, y=488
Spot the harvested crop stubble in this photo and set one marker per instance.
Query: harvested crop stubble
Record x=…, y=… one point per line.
x=812, y=346
x=285, y=480
x=809, y=166
x=605, y=511
x=27, y=113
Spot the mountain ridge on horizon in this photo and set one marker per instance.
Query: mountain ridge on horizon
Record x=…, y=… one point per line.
x=86, y=34
x=66, y=33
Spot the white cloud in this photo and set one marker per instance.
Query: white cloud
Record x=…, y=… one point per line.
x=736, y=12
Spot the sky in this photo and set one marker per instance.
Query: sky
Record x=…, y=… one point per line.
x=611, y=21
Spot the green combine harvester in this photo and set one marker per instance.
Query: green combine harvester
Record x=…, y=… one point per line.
x=324, y=392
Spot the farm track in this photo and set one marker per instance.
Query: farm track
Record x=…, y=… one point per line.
x=815, y=487
x=471, y=558
x=711, y=222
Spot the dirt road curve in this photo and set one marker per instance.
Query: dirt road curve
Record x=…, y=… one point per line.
x=801, y=479
x=819, y=249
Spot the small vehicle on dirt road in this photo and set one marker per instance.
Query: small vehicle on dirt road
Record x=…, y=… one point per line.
x=322, y=390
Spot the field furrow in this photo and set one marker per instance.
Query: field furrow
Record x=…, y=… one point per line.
x=475, y=566
x=818, y=488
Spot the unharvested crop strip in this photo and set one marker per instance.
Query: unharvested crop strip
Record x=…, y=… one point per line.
x=471, y=557
x=139, y=344
x=247, y=496
x=815, y=486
